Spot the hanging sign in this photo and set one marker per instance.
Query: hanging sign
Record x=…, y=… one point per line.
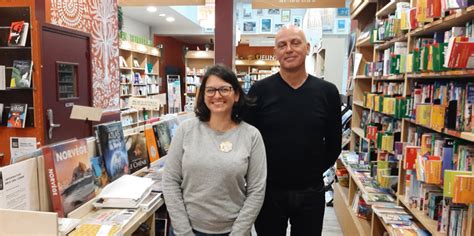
x=271, y=4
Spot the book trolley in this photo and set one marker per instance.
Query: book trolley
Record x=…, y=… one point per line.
x=411, y=91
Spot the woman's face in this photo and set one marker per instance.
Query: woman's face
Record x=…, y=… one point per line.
x=219, y=96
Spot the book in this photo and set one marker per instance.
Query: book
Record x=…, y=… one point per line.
x=137, y=152
x=69, y=175
x=19, y=186
x=17, y=115
x=1, y=113
x=21, y=74
x=113, y=150
x=163, y=137
x=125, y=192
x=18, y=33
x=151, y=144
x=3, y=85
x=463, y=191
x=20, y=146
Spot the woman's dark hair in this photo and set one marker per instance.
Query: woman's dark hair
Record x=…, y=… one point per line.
x=226, y=74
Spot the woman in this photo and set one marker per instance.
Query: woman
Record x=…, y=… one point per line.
x=215, y=172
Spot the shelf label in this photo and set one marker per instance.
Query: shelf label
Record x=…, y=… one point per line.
x=145, y=103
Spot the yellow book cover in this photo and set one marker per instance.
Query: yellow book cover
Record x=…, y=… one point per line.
x=430, y=58
x=437, y=117
x=448, y=183
x=404, y=20
x=463, y=189
x=433, y=171
x=370, y=101
x=376, y=103
x=389, y=105
x=409, y=63
x=423, y=112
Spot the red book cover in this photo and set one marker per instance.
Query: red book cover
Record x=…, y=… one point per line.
x=410, y=157
x=434, y=9
x=371, y=132
x=14, y=38
x=413, y=21
x=69, y=175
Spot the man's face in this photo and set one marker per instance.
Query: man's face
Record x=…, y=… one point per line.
x=291, y=48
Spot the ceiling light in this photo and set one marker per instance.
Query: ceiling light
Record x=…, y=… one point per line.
x=162, y=14
x=151, y=9
x=170, y=19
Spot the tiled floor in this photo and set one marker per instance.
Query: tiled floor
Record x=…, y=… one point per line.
x=331, y=226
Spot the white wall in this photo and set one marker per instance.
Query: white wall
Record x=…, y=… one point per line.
x=135, y=27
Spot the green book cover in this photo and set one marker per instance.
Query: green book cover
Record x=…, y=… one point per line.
x=416, y=60
x=448, y=187
x=425, y=55
x=21, y=74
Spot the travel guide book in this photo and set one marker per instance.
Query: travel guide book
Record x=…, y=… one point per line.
x=112, y=147
x=69, y=175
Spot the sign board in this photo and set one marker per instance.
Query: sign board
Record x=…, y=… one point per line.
x=86, y=113
x=271, y=4
x=145, y=103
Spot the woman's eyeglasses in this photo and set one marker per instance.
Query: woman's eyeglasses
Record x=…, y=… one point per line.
x=223, y=91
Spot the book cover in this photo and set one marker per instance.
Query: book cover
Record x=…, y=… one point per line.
x=433, y=171
x=21, y=74
x=463, y=191
x=19, y=186
x=163, y=137
x=18, y=33
x=448, y=182
x=137, y=152
x=423, y=114
x=3, y=84
x=151, y=144
x=17, y=115
x=410, y=157
x=114, y=152
x=437, y=117
x=69, y=175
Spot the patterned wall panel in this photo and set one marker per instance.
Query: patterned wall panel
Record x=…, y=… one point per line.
x=99, y=18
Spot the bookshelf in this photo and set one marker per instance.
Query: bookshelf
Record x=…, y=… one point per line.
x=196, y=63
x=139, y=78
x=369, y=78
x=139, y=67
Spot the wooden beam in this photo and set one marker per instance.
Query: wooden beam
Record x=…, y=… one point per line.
x=161, y=2
x=268, y=4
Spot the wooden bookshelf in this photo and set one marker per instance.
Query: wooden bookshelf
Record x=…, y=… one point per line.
x=391, y=42
x=366, y=12
x=442, y=75
x=389, y=8
x=365, y=42
x=366, y=5
x=428, y=223
x=445, y=23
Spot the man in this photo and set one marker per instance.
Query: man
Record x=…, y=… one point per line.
x=299, y=117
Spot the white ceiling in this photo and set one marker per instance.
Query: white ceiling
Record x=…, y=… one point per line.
x=182, y=29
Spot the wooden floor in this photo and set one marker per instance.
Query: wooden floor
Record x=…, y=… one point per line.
x=331, y=226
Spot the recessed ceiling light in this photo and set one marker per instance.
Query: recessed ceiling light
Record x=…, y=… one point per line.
x=162, y=14
x=151, y=9
x=170, y=19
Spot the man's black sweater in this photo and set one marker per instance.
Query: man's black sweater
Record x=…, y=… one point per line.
x=301, y=129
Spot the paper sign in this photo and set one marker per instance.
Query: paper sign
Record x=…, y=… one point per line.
x=145, y=103
x=86, y=113
x=20, y=146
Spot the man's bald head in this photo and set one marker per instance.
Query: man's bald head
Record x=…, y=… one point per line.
x=290, y=29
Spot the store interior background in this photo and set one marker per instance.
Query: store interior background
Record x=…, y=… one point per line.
x=193, y=28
